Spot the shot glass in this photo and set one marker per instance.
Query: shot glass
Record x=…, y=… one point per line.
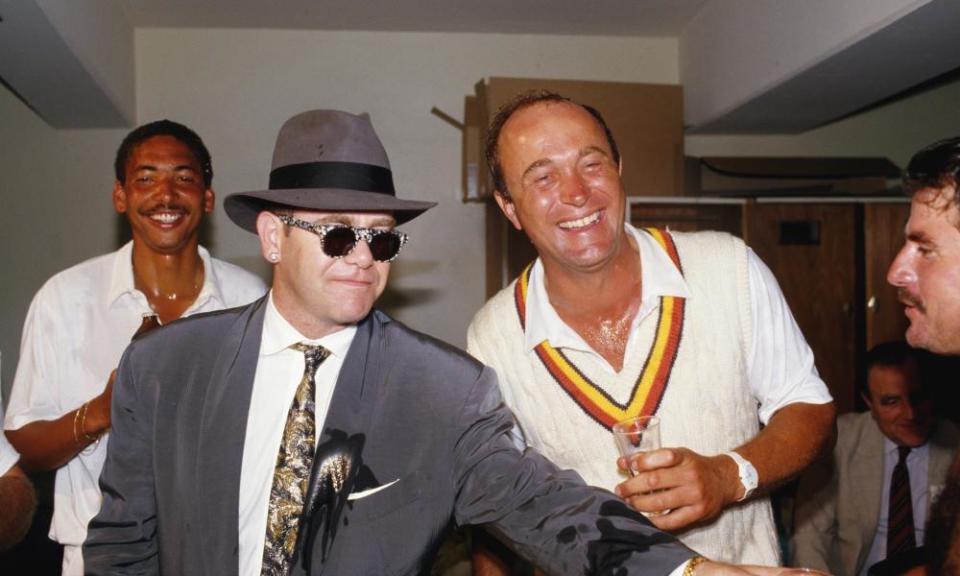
x=636, y=435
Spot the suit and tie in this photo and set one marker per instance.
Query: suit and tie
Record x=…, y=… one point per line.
x=435, y=450
x=839, y=499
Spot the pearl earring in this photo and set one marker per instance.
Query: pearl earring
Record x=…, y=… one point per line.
x=274, y=256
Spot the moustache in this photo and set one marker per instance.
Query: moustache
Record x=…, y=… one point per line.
x=164, y=207
x=910, y=300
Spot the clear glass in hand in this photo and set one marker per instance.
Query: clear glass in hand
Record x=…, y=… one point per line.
x=636, y=435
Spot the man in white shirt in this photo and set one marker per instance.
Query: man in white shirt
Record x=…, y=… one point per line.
x=926, y=273
x=843, y=521
x=17, y=498
x=611, y=322
x=82, y=318
x=309, y=433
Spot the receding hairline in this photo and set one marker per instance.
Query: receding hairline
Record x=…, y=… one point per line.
x=606, y=150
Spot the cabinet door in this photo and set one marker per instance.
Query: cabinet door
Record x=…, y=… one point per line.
x=883, y=237
x=812, y=251
x=686, y=217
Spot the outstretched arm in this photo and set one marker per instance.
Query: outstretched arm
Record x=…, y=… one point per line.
x=547, y=515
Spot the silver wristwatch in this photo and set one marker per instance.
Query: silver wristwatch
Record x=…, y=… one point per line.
x=747, y=473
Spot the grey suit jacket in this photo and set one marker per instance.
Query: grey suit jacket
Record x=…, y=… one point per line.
x=431, y=418
x=839, y=498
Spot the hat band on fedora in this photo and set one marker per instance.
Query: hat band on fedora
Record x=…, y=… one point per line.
x=334, y=175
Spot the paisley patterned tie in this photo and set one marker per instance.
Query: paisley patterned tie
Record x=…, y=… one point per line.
x=292, y=473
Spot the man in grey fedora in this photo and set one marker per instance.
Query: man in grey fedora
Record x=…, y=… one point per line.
x=309, y=433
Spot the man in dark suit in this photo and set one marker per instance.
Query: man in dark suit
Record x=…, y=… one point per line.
x=844, y=521
x=308, y=433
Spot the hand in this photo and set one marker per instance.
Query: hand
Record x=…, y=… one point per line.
x=720, y=569
x=692, y=488
x=97, y=419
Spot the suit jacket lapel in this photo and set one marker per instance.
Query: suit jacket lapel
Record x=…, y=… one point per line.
x=358, y=380
x=866, y=480
x=222, y=432
x=349, y=415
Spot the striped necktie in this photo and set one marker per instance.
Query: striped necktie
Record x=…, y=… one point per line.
x=900, y=535
x=291, y=475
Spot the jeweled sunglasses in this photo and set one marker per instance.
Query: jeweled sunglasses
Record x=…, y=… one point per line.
x=338, y=240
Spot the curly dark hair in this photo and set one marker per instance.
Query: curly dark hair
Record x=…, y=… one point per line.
x=936, y=166
x=163, y=128
x=519, y=102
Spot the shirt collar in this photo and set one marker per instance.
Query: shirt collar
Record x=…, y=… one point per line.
x=279, y=335
x=891, y=449
x=121, y=278
x=122, y=283
x=658, y=275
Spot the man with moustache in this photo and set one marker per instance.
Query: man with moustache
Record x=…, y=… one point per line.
x=850, y=513
x=82, y=318
x=309, y=433
x=610, y=322
x=926, y=273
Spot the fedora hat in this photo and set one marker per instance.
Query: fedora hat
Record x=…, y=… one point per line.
x=330, y=161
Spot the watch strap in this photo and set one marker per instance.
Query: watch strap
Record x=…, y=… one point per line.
x=747, y=474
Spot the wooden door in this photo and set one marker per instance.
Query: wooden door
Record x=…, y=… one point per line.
x=883, y=236
x=812, y=251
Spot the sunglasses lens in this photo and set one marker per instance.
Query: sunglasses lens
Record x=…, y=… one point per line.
x=384, y=246
x=339, y=241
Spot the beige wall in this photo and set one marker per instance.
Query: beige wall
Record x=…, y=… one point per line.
x=236, y=87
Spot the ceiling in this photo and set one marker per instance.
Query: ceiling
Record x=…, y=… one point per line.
x=651, y=18
x=746, y=66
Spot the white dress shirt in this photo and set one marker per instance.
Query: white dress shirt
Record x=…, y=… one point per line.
x=917, y=463
x=780, y=362
x=279, y=371
x=78, y=325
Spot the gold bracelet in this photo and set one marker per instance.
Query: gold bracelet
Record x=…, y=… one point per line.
x=76, y=417
x=83, y=424
x=692, y=565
